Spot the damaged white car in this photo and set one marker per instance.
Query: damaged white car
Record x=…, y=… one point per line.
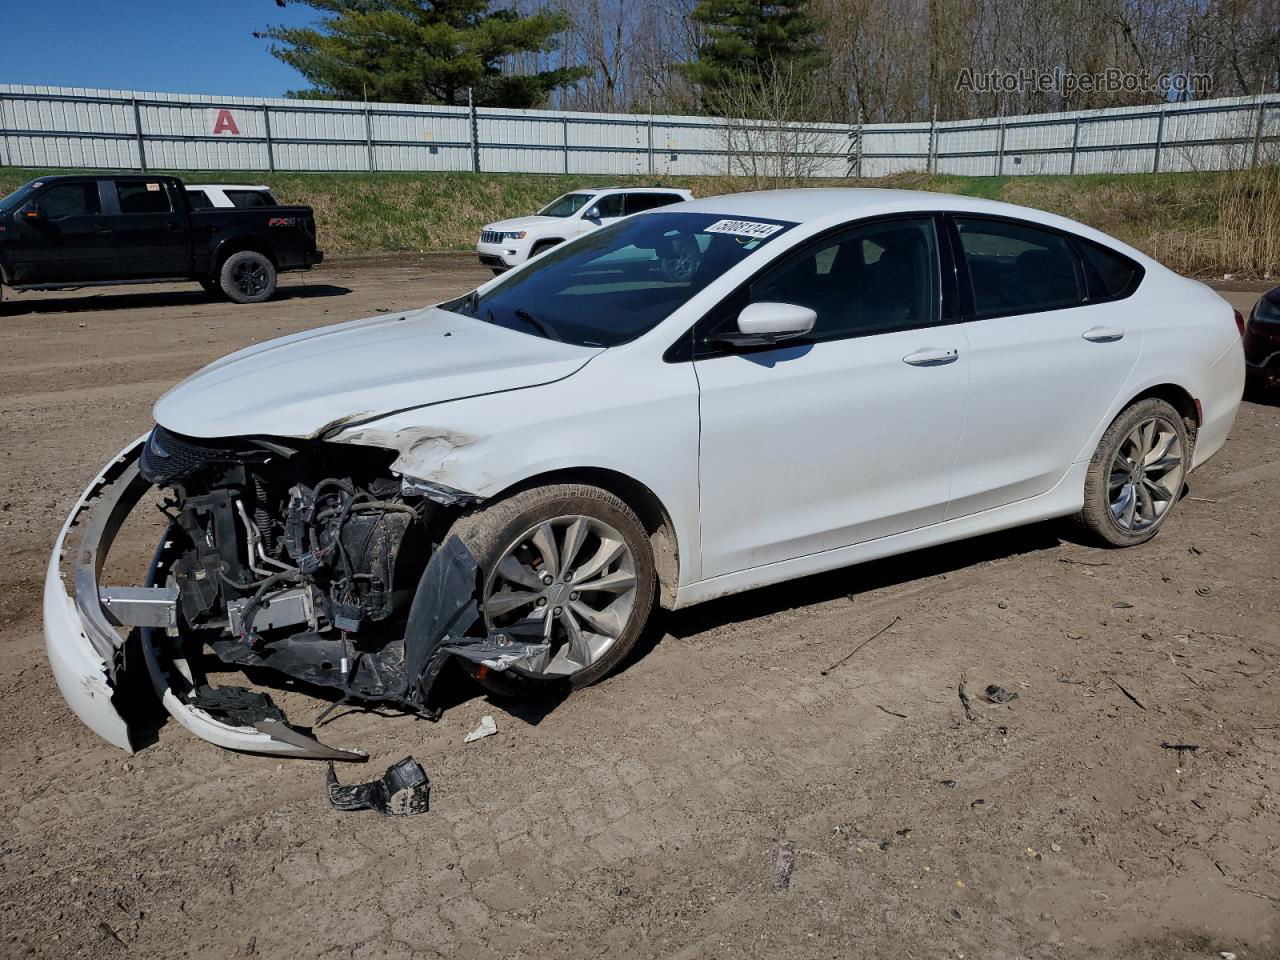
x=694, y=401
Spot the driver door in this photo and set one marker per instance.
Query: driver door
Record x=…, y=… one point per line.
x=848, y=433
x=70, y=241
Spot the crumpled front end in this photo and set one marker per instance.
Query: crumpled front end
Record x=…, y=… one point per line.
x=304, y=559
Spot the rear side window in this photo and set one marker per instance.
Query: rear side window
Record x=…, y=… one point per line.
x=637, y=202
x=198, y=199
x=251, y=198
x=70, y=200
x=1111, y=275
x=142, y=196
x=1016, y=268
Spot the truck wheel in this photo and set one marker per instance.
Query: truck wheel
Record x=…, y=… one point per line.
x=248, y=277
x=568, y=562
x=1135, y=477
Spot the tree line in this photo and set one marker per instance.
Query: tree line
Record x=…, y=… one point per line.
x=836, y=60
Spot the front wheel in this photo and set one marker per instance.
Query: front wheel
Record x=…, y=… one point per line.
x=568, y=563
x=248, y=277
x=1135, y=477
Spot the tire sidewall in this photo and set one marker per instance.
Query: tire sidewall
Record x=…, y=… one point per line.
x=1096, y=514
x=489, y=541
x=228, y=267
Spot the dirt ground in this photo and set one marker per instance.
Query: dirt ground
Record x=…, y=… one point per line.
x=645, y=817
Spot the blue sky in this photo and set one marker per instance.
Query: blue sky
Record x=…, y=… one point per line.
x=188, y=46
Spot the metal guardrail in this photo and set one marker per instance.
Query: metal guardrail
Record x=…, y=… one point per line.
x=148, y=122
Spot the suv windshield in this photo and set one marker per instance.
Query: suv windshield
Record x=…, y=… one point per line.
x=618, y=282
x=567, y=205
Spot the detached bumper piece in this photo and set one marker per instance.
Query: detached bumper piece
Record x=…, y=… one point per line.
x=404, y=790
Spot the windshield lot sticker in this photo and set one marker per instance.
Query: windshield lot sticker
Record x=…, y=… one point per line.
x=744, y=228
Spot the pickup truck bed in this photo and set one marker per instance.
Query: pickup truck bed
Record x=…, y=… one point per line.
x=88, y=230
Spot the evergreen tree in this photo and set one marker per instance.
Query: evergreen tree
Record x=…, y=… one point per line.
x=422, y=51
x=750, y=40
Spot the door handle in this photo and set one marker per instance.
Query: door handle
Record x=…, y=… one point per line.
x=175, y=227
x=1103, y=334
x=104, y=228
x=931, y=357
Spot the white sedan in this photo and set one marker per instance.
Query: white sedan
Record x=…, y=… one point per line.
x=694, y=401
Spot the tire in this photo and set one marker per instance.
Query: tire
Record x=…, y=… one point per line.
x=504, y=529
x=1126, y=499
x=542, y=246
x=247, y=277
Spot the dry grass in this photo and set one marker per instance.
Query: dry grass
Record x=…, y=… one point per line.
x=1201, y=224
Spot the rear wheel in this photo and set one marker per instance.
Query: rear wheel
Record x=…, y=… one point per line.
x=569, y=563
x=248, y=277
x=1135, y=477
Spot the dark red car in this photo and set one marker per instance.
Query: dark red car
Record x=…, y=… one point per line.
x=1262, y=342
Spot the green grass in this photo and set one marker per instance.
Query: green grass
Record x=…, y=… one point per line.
x=1198, y=223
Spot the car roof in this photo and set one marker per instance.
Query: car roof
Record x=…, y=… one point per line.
x=834, y=205
x=632, y=190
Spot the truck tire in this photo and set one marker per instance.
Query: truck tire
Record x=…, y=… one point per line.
x=248, y=277
x=578, y=526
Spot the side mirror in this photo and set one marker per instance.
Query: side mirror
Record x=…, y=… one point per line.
x=33, y=213
x=766, y=323
x=593, y=213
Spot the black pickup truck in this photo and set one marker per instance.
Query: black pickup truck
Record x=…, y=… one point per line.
x=92, y=230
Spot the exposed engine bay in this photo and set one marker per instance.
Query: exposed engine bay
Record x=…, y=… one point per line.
x=306, y=558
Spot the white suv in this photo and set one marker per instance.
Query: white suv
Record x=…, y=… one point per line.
x=509, y=243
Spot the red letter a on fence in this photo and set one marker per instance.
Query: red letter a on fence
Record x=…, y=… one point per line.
x=225, y=124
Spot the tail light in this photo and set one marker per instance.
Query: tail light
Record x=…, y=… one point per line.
x=1239, y=321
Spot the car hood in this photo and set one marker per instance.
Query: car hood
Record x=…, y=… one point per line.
x=313, y=383
x=524, y=223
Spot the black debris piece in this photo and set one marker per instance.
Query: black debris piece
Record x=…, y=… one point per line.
x=402, y=791
x=237, y=705
x=998, y=694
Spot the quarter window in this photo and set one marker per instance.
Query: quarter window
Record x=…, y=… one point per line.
x=1016, y=268
x=70, y=200
x=142, y=196
x=871, y=279
x=1113, y=274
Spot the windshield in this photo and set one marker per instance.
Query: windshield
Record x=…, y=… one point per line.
x=20, y=194
x=566, y=206
x=620, y=281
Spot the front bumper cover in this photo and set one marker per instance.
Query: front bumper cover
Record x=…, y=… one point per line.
x=86, y=648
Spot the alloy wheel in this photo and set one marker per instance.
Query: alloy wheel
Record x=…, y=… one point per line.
x=250, y=278
x=1145, y=476
x=571, y=582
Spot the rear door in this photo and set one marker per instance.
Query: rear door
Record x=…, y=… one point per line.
x=150, y=229
x=69, y=241
x=1046, y=361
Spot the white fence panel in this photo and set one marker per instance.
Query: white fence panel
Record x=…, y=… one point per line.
x=79, y=127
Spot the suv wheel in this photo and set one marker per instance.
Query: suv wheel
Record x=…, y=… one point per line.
x=1135, y=477
x=568, y=562
x=247, y=277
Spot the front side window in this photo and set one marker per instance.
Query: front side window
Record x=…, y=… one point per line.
x=70, y=200
x=142, y=196
x=873, y=278
x=608, y=206
x=613, y=284
x=566, y=206
x=1016, y=268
